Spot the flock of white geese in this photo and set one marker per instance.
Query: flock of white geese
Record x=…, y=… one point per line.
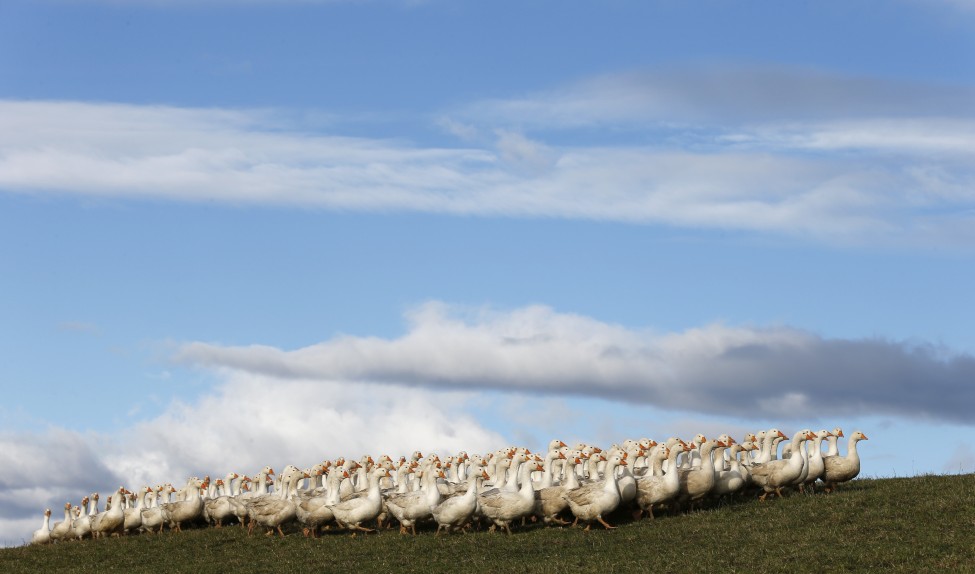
x=582, y=483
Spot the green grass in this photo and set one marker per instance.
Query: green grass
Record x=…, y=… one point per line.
x=882, y=525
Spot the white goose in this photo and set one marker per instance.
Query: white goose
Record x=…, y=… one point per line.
x=61, y=529
x=775, y=474
x=313, y=510
x=456, y=512
x=133, y=516
x=152, y=517
x=832, y=448
x=221, y=508
x=504, y=507
x=815, y=465
x=696, y=483
x=112, y=521
x=43, y=534
x=659, y=487
x=550, y=501
x=350, y=514
x=413, y=506
x=272, y=513
x=81, y=526
x=176, y=513
x=732, y=480
x=837, y=469
x=591, y=501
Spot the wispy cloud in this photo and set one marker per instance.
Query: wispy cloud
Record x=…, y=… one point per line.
x=775, y=372
x=882, y=169
x=719, y=94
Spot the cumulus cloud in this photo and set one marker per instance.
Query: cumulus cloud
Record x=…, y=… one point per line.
x=774, y=372
x=246, y=422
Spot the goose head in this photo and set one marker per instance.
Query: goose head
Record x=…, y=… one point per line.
x=859, y=435
x=726, y=439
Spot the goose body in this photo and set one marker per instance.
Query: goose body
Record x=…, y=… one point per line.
x=272, y=513
x=132, y=520
x=815, y=465
x=591, y=501
x=176, y=513
x=504, y=507
x=112, y=521
x=43, y=534
x=457, y=511
x=413, y=506
x=838, y=469
x=551, y=501
x=62, y=528
x=81, y=526
x=696, y=483
x=313, y=511
x=659, y=488
x=351, y=513
x=772, y=476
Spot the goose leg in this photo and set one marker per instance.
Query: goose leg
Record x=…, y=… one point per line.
x=604, y=523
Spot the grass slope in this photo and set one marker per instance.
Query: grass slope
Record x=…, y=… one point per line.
x=883, y=525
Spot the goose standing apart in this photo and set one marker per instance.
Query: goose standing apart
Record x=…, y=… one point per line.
x=815, y=464
x=659, y=487
x=591, y=501
x=456, y=512
x=112, y=521
x=350, y=514
x=61, y=529
x=775, y=474
x=504, y=507
x=413, y=506
x=837, y=469
x=43, y=534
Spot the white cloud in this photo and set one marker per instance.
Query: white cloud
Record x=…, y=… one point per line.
x=775, y=373
x=901, y=181
x=248, y=421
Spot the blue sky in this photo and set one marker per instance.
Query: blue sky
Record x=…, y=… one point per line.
x=248, y=233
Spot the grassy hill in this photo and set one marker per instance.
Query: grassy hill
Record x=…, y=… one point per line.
x=884, y=525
